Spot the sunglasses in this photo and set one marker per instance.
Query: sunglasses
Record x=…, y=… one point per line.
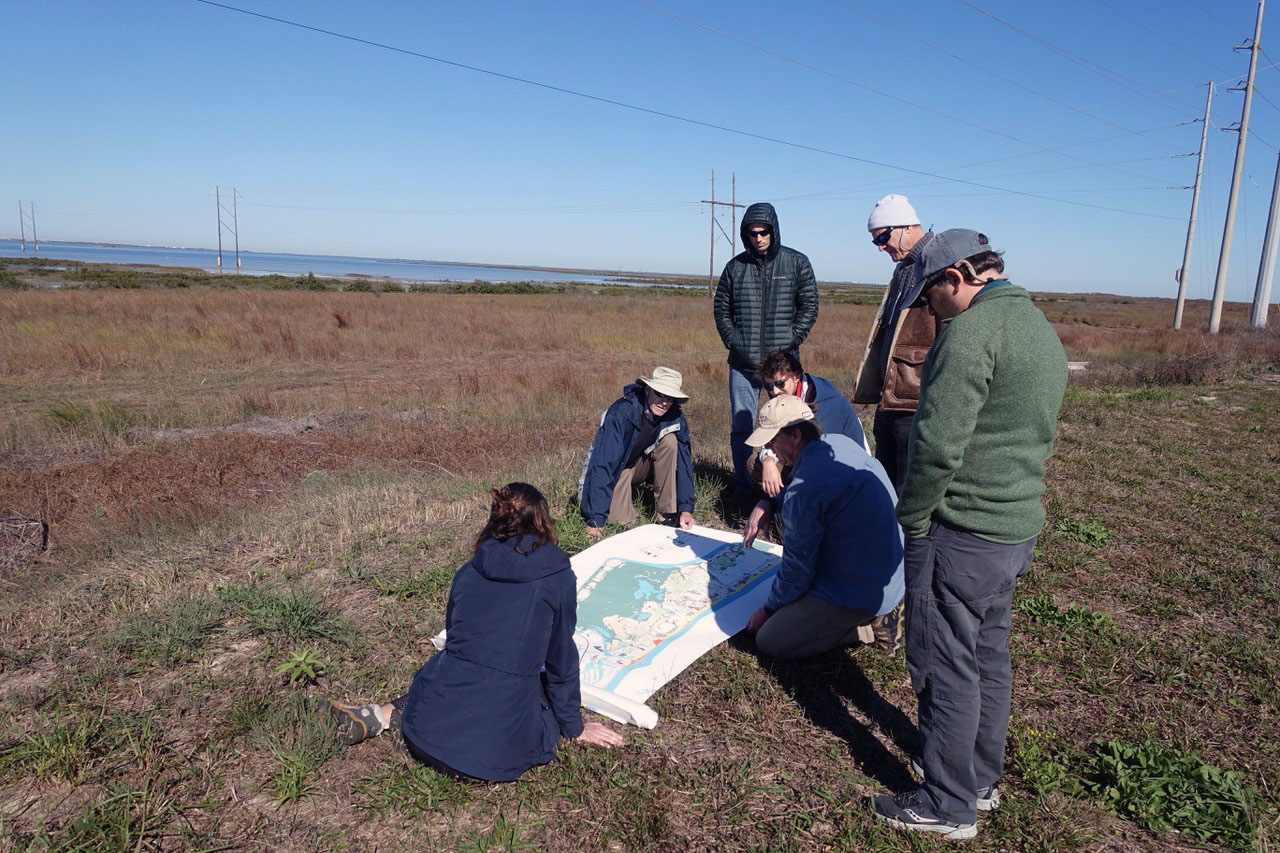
x=777, y=383
x=767, y=232
x=662, y=397
x=882, y=239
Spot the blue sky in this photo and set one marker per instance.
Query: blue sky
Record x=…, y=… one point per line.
x=124, y=116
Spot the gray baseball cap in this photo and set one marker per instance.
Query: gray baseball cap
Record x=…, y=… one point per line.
x=954, y=244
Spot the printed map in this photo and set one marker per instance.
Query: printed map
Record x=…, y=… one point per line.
x=654, y=599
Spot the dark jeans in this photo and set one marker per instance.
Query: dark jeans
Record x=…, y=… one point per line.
x=892, y=432
x=959, y=609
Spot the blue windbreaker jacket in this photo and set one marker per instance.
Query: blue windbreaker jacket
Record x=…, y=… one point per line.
x=611, y=448
x=484, y=706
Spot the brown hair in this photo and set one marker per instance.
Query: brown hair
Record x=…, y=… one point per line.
x=518, y=509
x=779, y=362
x=810, y=430
x=978, y=264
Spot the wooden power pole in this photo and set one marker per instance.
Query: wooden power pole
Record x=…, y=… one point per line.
x=715, y=224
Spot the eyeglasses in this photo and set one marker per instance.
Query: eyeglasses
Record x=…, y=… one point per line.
x=882, y=239
x=777, y=383
x=663, y=398
x=765, y=232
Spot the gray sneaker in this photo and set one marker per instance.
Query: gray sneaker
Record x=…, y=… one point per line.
x=908, y=811
x=988, y=798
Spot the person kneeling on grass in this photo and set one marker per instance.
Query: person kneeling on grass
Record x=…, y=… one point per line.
x=841, y=573
x=642, y=436
x=504, y=690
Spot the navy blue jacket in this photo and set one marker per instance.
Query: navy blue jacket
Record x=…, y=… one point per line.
x=833, y=412
x=612, y=446
x=483, y=705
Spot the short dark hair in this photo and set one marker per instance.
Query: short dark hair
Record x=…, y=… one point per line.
x=779, y=361
x=981, y=262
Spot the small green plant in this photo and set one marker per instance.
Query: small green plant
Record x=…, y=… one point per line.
x=503, y=835
x=1161, y=789
x=1042, y=609
x=1151, y=393
x=1091, y=533
x=299, y=737
x=1035, y=757
x=124, y=819
x=302, y=667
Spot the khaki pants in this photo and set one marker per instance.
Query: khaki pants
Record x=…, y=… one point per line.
x=811, y=625
x=661, y=467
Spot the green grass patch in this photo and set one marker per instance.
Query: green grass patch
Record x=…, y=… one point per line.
x=1073, y=617
x=171, y=634
x=1162, y=789
x=65, y=750
x=1092, y=533
x=96, y=418
x=411, y=790
x=300, y=736
x=297, y=614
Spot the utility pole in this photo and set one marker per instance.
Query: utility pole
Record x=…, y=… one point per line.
x=1267, y=266
x=227, y=215
x=27, y=217
x=1191, y=223
x=715, y=224
x=1224, y=258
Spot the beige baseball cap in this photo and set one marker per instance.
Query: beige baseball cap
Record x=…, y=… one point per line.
x=780, y=412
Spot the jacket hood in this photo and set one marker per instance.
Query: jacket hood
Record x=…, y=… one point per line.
x=499, y=561
x=761, y=213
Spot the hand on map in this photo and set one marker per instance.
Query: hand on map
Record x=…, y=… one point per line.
x=757, y=521
x=594, y=532
x=770, y=477
x=757, y=620
x=600, y=735
x=686, y=520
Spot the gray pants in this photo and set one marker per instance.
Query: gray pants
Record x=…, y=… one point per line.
x=811, y=625
x=959, y=609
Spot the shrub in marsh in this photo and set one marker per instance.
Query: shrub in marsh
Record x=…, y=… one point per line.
x=1162, y=788
x=358, y=286
x=9, y=281
x=95, y=277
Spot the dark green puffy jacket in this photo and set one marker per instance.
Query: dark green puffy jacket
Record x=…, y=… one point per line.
x=764, y=302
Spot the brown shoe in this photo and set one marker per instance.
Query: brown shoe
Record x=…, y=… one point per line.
x=355, y=725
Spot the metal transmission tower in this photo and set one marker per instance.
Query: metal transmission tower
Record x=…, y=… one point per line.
x=1191, y=223
x=225, y=215
x=732, y=236
x=27, y=219
x=1224, y=258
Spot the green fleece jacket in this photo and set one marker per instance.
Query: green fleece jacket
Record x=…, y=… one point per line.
x=990, y=393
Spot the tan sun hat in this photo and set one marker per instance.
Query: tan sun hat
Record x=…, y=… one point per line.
x=782, y=411
x=666, y=381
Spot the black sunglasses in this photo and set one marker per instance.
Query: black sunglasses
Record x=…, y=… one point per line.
x=882, y=239
x=767, y=232
x=778, y=383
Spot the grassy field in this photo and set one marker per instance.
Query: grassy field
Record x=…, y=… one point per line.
x=258, y=493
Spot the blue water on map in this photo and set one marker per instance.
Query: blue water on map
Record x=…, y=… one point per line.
x=264, y=263
x=645, y=590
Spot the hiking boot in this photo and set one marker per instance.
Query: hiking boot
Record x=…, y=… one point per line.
x=888, y=629
x=988, y=798
x=355, y=725
x=908, y=811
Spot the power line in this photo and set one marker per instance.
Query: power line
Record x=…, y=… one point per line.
x=1167, y=41
x=1089, y=64
x=985, y=70
x=674, y=117
x=646, y=207
x=872, y=89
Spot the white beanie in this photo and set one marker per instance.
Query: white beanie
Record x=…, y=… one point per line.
x=891, y=211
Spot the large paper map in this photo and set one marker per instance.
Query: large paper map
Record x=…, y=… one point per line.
x=654, y=599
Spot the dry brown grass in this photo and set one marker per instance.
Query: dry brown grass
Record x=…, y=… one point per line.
x=195, y=449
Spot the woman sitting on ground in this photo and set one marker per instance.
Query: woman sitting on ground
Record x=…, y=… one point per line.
x=504, y=691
